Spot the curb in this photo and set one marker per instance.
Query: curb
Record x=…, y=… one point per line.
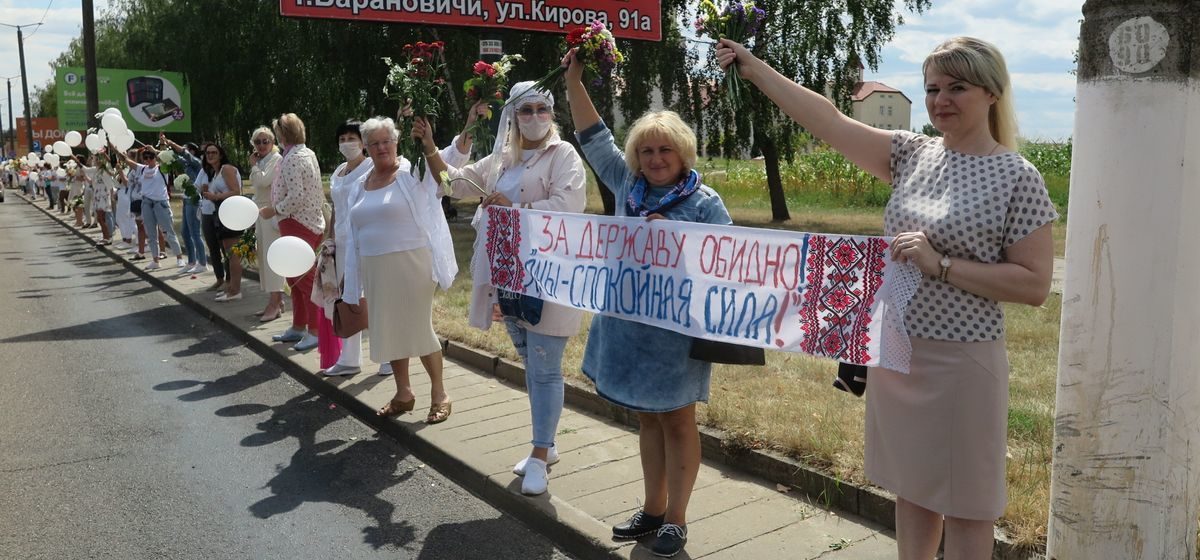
x=573, y=530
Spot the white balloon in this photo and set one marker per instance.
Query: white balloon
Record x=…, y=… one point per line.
x=290, y=256
x=73, y=139
x=103, y=136
x=93, y=143
x=60, y=173
x=111, y=111
x=237, y=213
x=113, y=124
x=61, y=148
x=123, y=141
x=52, y=159
x=71, y=164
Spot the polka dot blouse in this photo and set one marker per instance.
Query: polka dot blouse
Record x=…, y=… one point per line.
x=970, y=207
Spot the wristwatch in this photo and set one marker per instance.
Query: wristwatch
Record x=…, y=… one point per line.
x=945, y=264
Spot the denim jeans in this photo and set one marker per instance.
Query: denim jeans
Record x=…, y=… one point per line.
x=542, y=355
x=156, y=214
x=193, y=238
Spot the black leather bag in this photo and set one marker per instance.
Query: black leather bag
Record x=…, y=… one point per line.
x=727, y=353
x=520, y=306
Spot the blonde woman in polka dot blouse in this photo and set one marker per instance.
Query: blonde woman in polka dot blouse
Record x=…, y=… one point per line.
x=975, y=217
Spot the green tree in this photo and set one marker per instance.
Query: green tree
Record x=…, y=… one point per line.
x=812, y=42
x=929, y=130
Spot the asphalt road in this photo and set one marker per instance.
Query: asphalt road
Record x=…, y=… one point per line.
x=130, y=427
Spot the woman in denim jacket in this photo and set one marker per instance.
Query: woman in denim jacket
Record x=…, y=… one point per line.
x=643, y=368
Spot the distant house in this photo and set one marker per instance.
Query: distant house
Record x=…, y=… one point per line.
x=880, y=105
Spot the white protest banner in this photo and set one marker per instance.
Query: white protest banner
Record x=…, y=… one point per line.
x=836, y=296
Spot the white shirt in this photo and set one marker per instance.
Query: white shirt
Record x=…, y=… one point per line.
x=345, y=191
x=509, y=183
x=154, y=184
x=216, y=185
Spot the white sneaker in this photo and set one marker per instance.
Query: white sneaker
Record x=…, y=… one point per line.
x=227, y=297
x=339, y=369
x=153, y=266
x=551, y=458
x=120, y=245
x=180, y=263
x=219, y=295
x=386, y=369
x=132, y=250
x=536, y=479
x=196, y=269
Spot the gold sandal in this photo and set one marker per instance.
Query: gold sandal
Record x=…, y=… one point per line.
x=397, y=407
x=438, y=413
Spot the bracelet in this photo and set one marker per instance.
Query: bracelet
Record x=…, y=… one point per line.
x=431, y=152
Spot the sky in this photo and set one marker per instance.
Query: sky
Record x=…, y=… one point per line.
x=1038, y=39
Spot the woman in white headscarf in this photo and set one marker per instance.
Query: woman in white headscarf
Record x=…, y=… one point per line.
x=530, y=167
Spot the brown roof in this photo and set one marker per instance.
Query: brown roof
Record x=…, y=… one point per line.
x=863, y=90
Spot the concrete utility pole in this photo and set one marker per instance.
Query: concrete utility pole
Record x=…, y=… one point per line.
x=25, y=90
x=1126, y=474
x=12, y=132
x=89, y=64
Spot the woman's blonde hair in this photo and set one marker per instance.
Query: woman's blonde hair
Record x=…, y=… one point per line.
x=261, y=131
x=665, y=124
x=979, y=62
x=290, y=129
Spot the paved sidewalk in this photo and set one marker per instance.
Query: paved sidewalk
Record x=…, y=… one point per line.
x=598, y=481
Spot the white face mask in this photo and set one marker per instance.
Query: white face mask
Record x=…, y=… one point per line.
x=534, y=129
x=350, y=150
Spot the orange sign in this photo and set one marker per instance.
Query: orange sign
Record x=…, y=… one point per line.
x=628, y=19
x=45, y=133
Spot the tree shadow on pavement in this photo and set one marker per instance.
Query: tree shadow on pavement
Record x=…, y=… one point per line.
x=157, y=321
x=483, y=539
x=353, y=475
x=222, y=386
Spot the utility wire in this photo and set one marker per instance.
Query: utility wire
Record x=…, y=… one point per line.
x=39, y=24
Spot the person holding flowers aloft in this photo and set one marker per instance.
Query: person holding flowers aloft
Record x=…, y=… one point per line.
x=345, y=189
x=190, y=228
x=156, y=206
x=530, y=167
x=975, y=217
x=643, y=368
x=398, y=252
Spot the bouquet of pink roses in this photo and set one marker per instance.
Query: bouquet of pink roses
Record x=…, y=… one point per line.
x=417, y=84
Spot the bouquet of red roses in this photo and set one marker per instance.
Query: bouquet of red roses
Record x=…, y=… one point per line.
x=597, y=50
x=488, y=83
x=738, y=21
x=417, y=84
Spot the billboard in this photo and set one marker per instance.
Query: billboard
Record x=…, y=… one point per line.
x=629, y=19
x=149, y=100
x=45, y=133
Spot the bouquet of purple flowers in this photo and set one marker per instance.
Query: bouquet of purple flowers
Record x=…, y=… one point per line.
x=737, y=21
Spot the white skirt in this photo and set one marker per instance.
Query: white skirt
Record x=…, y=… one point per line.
x=399, y=288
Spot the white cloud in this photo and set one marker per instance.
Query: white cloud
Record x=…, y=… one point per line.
x=43, y=44
x=1037, y=37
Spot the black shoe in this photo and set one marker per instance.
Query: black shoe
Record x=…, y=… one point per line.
x=638, y=525
x=670, y=540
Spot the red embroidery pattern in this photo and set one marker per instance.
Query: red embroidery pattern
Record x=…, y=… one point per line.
x=843, y=275
x=504, y=248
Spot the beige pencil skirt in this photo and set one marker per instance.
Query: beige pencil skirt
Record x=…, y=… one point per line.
x=937, y=437
x=399, y=289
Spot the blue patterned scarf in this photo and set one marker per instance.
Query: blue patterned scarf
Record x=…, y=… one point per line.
x=634, y=205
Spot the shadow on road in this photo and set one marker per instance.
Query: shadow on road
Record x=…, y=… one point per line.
x=353, y=474
x=160, y=321
x=222, y=386
x=476, y=540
